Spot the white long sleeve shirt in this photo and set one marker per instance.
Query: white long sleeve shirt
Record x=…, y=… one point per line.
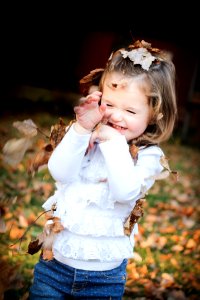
x=95, y=194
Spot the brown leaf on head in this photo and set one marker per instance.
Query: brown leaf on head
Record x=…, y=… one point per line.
x=143, y=44
x=93, y=78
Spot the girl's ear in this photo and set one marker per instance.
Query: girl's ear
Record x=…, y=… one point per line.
x=155, y=118
x=159, y=116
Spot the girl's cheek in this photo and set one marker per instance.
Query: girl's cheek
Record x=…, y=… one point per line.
x=107, y=113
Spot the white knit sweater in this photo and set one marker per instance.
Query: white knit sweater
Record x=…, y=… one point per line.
x=95, y=194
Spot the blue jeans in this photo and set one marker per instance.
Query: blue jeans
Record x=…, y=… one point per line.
x=55, y=280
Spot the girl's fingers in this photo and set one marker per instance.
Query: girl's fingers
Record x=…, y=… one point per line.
x=94, y=96
x=102, y=108
x=96, y=93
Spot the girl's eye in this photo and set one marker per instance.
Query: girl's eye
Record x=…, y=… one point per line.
x=109, y=105
x=131, y=112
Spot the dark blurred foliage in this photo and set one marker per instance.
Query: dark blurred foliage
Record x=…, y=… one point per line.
x=52, y=46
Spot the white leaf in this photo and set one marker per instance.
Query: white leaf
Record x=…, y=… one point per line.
x=14, y=150
x=27, y=127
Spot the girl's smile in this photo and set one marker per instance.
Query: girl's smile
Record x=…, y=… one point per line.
x=117, y=127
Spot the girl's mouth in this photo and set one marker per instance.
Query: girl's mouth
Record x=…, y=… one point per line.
x=117, y=127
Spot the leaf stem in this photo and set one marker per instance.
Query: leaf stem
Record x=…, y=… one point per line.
x=23, y=235
x=40, y=131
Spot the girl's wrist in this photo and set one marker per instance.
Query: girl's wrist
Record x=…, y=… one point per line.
x=80, y=129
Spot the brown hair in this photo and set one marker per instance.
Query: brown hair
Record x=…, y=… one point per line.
x=159, y=84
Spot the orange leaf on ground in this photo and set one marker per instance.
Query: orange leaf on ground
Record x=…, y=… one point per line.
x=168, y=229
x=16, y=232
x=174, y=262
x=177, y=248
x=23, y=222
x=167, y=280
x=191, y=244
x=137, y=257
x=143, y=271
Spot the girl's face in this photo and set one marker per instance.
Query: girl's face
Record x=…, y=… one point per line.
x=127, y=105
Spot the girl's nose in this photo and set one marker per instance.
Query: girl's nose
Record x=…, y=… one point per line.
x=116, y=115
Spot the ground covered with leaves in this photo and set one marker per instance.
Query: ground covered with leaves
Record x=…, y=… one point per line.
x=167, y=250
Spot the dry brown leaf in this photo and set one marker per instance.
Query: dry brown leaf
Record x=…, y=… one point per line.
x=93, y=78
x=23, y=222
x=34, y=246
x=164, y=163
x=167, y=280
x=16, y=232
x=57, y=225
x=14, y=150
x=177, y=248
x=161, y=242
x=57, y=133
x=143, y=271
x=174, y=262
x=191, y=244
x=137, y=257
x=135, y=215
x=162, y=175
x=45, y=240
x=47, y=254
x=26, y=127
x=40, y=159
x=168, y=229
x=134, y=152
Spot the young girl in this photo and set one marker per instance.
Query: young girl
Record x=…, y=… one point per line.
x=99, y=181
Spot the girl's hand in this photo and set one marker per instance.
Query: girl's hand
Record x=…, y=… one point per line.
x=103, y=133
x=89, y=113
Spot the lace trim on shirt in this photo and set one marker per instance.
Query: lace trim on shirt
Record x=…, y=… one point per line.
x=91, y=224
x=85, y=248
